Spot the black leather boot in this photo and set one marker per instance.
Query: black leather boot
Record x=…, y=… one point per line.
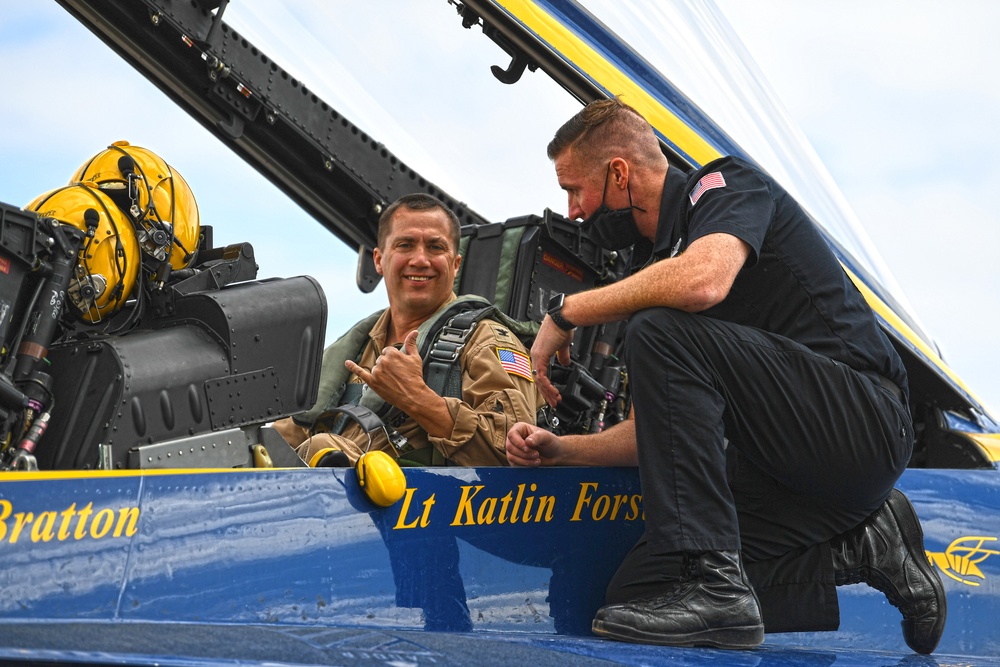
x=712, y=604
x=887, y=553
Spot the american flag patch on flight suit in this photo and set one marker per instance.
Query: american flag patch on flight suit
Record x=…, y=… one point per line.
x=515, y=363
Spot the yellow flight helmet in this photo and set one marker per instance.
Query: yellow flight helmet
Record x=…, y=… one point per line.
x=154, y=194
x=109, y=258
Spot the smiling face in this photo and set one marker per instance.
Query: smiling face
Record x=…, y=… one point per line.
x=418, y=261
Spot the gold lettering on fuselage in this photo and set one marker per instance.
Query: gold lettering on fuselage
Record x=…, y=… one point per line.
x=604, y=507
x=424, y=518
x=510, y=508
x=68, y=524
x=480, y=505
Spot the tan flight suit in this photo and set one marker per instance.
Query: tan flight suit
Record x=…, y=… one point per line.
x=493, y=400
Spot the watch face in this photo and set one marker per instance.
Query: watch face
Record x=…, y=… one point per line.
x=556, y=301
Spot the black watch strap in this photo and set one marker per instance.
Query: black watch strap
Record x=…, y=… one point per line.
x=555, y=312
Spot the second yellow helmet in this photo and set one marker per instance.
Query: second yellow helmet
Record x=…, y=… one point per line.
x=154, y=194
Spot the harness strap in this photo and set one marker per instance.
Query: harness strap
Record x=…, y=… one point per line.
x=350, y=396
x=369, y=421
x=442, y=370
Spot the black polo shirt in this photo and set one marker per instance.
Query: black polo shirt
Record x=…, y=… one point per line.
x=792, y=284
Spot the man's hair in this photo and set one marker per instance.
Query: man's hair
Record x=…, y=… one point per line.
x=605, y=129
x=418, y=202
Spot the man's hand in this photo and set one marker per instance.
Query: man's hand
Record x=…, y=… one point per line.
x=550, y=340
x=529, y=445
x=398, y=379
x=397, y=375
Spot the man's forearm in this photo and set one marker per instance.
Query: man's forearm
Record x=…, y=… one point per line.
x=612, y=447
x=692, y=282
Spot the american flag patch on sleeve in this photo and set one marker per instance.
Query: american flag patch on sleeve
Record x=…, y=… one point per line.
x=515, y=363
x=707, y=182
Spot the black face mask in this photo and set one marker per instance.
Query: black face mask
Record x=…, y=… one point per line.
x=613, y=229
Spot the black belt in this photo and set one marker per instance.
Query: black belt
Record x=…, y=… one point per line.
x=891, y=386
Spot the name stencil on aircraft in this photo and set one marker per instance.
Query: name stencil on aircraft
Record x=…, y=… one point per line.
x=69, y=524
x=478, y=506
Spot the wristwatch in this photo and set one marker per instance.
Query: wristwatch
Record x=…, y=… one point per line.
x=555, y=312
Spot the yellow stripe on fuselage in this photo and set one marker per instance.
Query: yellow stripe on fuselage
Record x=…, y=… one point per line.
x=687, y=139
x=606, y=75
x=44, y=475
x=894, y=321
x=990, y=442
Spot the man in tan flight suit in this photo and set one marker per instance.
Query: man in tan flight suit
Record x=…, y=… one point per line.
x=417, y=255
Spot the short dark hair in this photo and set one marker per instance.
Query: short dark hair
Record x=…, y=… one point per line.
x=418, y=201
x=604, y=127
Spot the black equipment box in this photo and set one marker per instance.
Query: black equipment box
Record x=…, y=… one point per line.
x=245, y=354
x=521, y=263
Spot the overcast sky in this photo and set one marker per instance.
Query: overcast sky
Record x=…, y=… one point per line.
x=899, y=98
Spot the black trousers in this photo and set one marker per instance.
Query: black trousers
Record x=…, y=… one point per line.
x=749, y=441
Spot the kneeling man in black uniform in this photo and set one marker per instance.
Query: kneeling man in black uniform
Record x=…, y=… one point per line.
x=770, y=411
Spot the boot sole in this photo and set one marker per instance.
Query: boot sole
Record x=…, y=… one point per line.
x=738, y=638
x=906, y=518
